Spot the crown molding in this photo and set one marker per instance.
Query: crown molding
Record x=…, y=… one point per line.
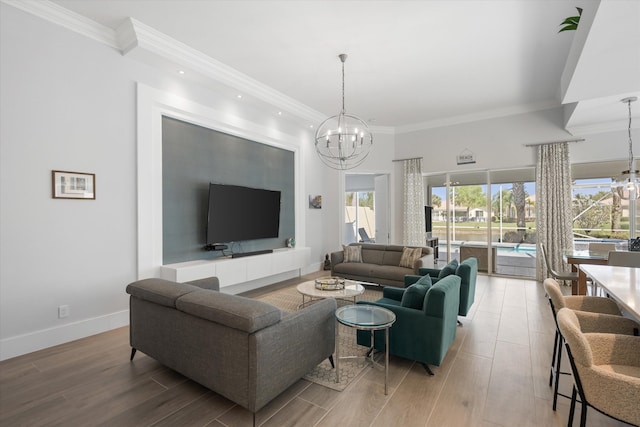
x=482, y=115
x=602, y=127
x=135, y=36
x=72, y=21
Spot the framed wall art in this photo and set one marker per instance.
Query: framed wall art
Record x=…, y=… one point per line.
x=315, y=202
x=73, y=185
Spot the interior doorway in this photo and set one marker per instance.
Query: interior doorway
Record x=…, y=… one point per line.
x=366, y=208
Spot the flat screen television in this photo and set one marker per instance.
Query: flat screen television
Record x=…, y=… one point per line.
x=241, y=213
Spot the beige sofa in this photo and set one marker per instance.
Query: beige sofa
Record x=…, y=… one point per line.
x=380, y=264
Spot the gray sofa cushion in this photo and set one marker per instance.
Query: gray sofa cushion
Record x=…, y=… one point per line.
x=237, y=312
x=160, y=291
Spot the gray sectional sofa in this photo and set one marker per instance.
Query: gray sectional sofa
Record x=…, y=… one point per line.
x=380, y=264
x=243, y=349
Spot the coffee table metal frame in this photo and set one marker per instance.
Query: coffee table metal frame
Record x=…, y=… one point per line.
x=366, y=318
x=308, y=290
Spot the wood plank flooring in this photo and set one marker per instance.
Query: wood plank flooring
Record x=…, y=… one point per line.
x=495, y=374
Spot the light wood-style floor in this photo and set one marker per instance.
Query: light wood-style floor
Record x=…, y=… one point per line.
x=495, y=374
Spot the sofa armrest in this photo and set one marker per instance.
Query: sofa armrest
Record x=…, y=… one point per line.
x=337, y=257
x=282, y=354
x=424, y=261
x=211, y=283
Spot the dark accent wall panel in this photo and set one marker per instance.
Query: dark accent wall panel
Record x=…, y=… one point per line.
x=194, y=156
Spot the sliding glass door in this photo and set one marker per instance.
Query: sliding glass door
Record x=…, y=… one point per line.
x=486, y=215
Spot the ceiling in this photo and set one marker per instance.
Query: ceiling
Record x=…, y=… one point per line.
x=410, y=64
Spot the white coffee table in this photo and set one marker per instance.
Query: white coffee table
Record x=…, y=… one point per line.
x=310, y=292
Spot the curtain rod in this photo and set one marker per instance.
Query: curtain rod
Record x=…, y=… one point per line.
x=402, y=160
x=554, y=142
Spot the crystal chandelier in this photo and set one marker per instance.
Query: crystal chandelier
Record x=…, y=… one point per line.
x=629, y=180
x=343, y=141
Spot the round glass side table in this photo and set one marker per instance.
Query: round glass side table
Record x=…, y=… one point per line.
x=367, y=318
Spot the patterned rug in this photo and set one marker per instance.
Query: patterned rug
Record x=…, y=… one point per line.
x=288, y=299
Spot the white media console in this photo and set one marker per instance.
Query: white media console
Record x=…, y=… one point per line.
x=233, y=271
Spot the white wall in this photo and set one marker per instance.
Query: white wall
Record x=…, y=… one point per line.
x=69, y=103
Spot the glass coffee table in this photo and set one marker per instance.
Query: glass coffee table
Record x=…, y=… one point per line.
x=367, y=318
x=310, y=292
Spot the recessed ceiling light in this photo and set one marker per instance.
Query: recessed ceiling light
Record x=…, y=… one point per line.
x=181, y=72
x=239, y=96
x=279, y=113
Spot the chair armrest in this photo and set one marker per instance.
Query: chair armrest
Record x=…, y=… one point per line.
x=593, y=304
x=612, y=349
x=433, y=272
x=410, y=279
x=403, y=314
x=392, y=292
x=606, y=323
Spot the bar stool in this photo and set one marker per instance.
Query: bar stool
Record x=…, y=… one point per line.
x=597, y=305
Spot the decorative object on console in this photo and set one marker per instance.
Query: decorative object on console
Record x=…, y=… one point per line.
x=343, y=141
x=634, y=244
x=73, y=185
x=291, y=242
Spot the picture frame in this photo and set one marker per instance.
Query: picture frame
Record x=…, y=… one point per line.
x=73, y=185
x=315, y=202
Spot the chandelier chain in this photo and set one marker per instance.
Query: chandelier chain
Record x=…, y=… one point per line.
x=630, y=140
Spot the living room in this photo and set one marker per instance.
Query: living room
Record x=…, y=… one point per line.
x=74, y=98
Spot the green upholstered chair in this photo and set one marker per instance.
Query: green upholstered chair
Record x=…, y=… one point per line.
x=423, y=334
x=467, y=270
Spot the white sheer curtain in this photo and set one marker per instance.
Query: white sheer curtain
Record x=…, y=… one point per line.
x=413, y=233
x=553, y=205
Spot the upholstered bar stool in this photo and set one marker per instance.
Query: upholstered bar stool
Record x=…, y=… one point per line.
x=606, y=369
x=558, y=301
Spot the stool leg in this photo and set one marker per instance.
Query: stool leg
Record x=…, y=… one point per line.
x=553, y=358
x=555, y=388
x=572, y=409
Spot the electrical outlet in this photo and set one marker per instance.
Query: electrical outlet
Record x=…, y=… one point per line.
x=63, y=311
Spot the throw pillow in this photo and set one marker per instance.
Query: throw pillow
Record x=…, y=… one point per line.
x=352, y=253
x=413, y=296
x=409, y=257
x=424, y=280
x=448, y=269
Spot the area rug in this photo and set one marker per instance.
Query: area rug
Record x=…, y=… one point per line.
x=288, y=299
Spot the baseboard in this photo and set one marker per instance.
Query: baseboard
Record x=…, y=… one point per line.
x=45, y=338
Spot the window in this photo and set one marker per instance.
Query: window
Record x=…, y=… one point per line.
x=598, y=211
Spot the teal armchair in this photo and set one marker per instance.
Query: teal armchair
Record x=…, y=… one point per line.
x=422, y=334
x=467, y=270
